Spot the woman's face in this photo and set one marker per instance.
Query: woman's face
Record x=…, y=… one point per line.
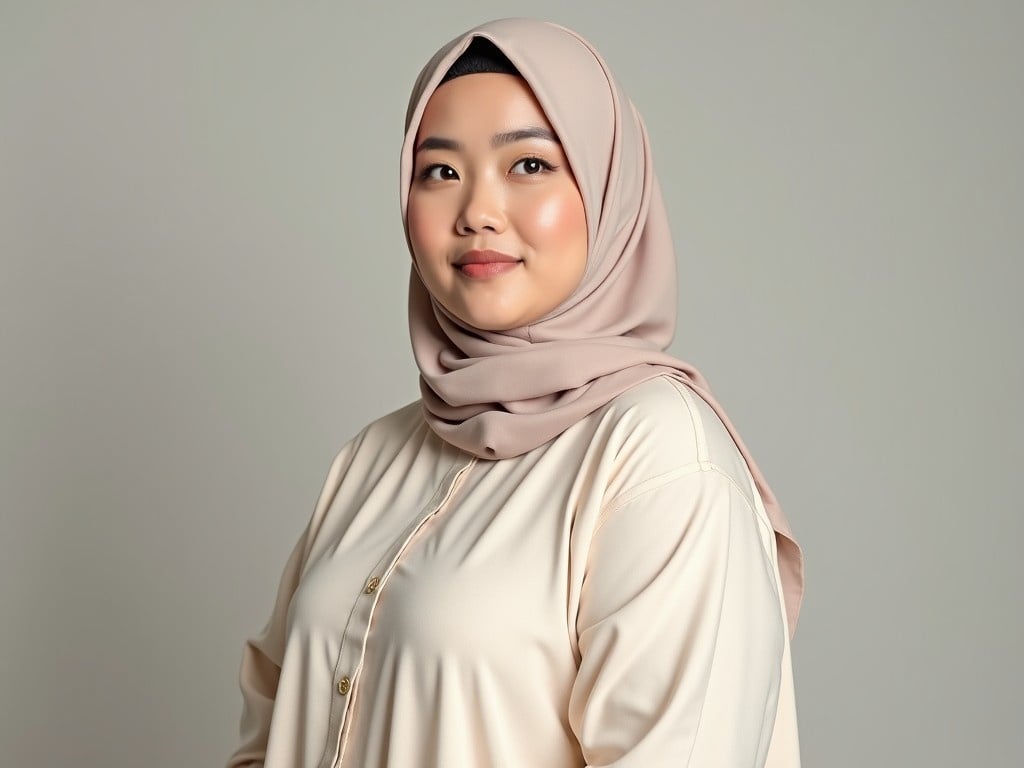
x=495, y=218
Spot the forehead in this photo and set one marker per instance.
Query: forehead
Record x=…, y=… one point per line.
x=484, y=103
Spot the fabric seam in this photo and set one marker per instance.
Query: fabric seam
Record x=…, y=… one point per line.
x=660, y=481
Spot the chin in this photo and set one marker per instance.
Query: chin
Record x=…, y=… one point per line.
x=488, y=321
x=494, y=326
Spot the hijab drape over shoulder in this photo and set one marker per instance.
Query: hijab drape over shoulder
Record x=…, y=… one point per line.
x=501, y=394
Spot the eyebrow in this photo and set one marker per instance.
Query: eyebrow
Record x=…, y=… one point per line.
x=497, y=140
x=533, y=132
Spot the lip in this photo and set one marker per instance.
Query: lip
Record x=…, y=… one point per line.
x=483, y=270
x=485, y=257
x=484, y=264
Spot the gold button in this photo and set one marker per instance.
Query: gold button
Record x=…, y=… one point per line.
x=344, y=685
x=371, y=585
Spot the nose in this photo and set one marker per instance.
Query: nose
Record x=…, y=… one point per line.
x=483, y=208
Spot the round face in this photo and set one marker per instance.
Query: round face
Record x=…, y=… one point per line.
x=495, y=218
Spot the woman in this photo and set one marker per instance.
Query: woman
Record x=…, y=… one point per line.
x=562, y=554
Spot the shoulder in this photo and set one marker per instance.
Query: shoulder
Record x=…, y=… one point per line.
x=661, y=427
x=396, y=426
x=370, y=452
x=385, y=435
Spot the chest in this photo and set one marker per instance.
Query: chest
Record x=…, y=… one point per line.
x=474, y=562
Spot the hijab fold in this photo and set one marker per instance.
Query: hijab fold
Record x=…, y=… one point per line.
x=501, y=394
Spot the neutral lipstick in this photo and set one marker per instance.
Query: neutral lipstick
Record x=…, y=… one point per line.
x=484, y=264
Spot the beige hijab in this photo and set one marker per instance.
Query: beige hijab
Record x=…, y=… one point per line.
x=501, y=394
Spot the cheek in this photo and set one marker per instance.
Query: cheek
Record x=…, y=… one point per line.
x=417, y=224
x=556, y=220
x=424, y=231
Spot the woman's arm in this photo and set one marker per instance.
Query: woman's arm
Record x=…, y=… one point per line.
x=682, y=633
x=261, y=669
x=263, y=654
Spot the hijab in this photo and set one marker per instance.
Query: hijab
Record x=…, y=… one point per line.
x=499, y=394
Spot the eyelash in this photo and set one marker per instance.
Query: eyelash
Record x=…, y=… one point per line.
x=544, y=164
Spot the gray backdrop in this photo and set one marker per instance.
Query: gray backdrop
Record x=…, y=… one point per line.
x=202, y=297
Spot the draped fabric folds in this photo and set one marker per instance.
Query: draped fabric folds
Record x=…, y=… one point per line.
x=501, y=394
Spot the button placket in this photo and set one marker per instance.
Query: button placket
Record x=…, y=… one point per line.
x=353, y=636
x=345, y=682
x=364, y=614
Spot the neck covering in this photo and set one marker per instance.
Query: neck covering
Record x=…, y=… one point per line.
x=499, y=394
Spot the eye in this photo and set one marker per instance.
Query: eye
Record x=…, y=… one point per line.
x=531, y=166
x=439, y=172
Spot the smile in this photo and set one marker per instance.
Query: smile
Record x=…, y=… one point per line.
x=484, y=264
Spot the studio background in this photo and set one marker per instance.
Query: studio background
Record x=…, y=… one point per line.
x=202, y=297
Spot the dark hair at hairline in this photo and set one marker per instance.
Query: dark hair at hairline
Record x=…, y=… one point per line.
x=482, y=56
